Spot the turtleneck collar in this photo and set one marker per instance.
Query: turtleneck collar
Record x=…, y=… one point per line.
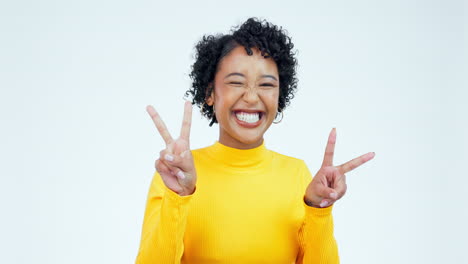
x=240, y=158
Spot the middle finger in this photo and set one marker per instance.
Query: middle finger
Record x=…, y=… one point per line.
x=354, y=163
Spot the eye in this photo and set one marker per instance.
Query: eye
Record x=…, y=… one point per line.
x=235, y=83
x=267, y=84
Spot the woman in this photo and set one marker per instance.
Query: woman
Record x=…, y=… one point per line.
x=236, y=201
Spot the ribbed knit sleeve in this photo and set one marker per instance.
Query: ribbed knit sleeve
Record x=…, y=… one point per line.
x=318, y=244
x=164, y=225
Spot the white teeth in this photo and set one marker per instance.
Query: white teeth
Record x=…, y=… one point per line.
x=248, y=117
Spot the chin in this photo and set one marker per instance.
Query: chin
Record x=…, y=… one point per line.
x=249, y=139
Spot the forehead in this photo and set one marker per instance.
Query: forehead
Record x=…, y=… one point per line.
x=239, y=61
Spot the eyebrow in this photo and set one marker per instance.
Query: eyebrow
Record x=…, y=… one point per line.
x=242, y=75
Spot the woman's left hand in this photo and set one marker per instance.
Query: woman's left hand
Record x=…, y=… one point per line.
x=329, y=183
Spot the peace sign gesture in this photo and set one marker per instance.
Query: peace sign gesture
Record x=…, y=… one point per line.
x=329, y=183
x=175, y=163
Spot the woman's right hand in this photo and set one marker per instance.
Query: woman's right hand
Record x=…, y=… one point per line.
x=175, y=163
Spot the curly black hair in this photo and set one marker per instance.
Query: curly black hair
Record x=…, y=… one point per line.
x=271, y=40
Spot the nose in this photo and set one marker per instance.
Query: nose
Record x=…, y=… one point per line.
x=250, y=95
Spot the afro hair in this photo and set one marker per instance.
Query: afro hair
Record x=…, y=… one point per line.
x=271, y=40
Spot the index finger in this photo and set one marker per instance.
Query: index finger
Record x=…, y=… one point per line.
x=330, y=149
x=186, y=121
x=354, y=163
x=159, y=124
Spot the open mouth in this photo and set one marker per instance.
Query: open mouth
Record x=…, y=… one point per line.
x=248, y=119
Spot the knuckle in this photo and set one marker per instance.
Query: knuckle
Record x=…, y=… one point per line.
x=341, y=169
x=175, y=163
x=158, y=166
x=341, y=195
x=346, y=168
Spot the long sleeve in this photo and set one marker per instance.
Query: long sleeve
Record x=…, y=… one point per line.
x=164, y=225
x=318, y=244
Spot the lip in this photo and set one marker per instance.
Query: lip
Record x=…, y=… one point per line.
x=245, y=124
x=248, y=110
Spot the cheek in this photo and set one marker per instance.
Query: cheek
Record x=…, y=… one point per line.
x=270, y=100
x=222, y=105
x=226, y=97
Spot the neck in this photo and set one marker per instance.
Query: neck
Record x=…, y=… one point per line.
x=234, y=143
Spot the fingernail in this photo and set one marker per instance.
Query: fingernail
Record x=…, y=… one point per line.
x=181, y=175
x=323, y=203
x=168, y=157
x=369, y=156
x=333, y=195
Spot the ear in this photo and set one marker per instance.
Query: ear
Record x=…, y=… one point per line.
x=210, y=99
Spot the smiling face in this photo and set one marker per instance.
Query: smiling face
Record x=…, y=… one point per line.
x=245, y=97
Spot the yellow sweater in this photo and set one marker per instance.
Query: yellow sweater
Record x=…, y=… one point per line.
x=248, y=207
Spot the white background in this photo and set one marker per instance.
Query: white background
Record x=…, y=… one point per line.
x=77, y=147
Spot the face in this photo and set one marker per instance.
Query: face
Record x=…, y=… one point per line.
x=245, y=97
